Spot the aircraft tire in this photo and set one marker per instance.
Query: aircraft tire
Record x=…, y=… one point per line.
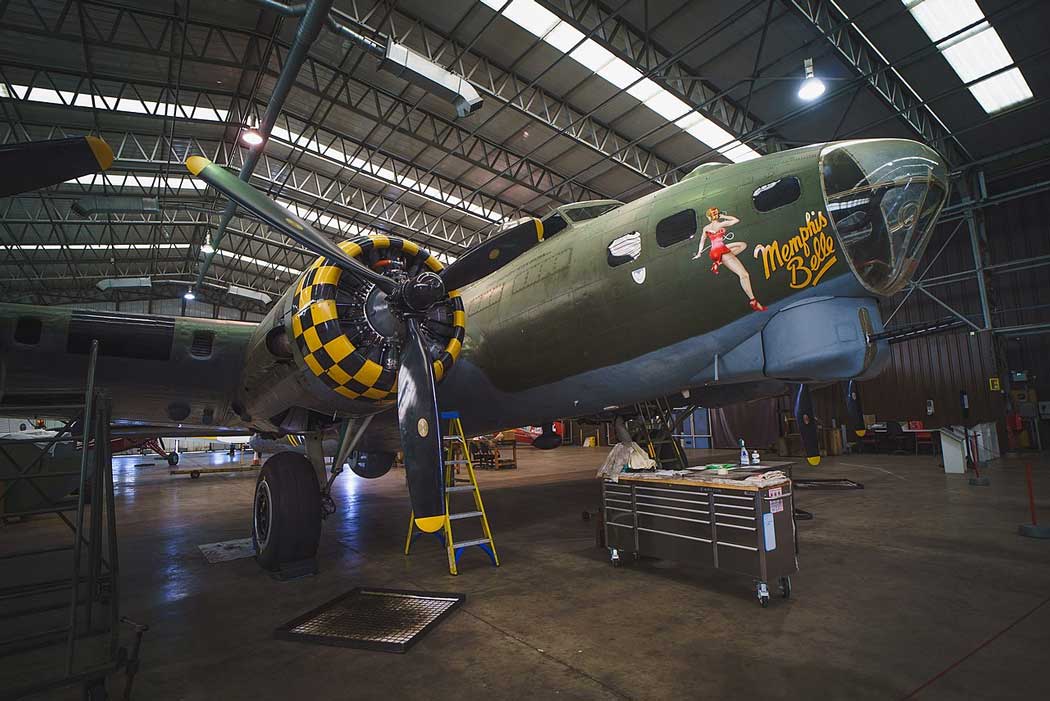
x=173, y=458
x=286, y=511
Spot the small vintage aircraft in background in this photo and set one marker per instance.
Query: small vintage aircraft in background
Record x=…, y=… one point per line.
x=741, y=281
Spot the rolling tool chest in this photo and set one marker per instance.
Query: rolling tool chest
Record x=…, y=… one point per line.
x=733, y=526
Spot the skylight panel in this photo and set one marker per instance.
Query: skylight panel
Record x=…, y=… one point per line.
x=1002, y=90
x=978, y=55
x=620, y=73
x=643, y=90
x=540, y=22
x=536, y=19
x=257, y=262
x=972, y=54
x=563, y=37
x=939, y=18
x=591, y=54
x=50, y=97
x=710, y=132
x=689, y=120
x=741, y=152
x=667, y=105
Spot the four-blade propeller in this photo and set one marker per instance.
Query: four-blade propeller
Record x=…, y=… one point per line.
x=410, y=299
x=37, y=164
x=807, y=424
x=854, y=410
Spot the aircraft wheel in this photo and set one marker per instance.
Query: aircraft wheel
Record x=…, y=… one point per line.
x=286, y=513
x=173, y=458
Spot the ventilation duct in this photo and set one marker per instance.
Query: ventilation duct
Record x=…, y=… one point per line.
x=249, y=294
x=115, y=204
x=120, y=283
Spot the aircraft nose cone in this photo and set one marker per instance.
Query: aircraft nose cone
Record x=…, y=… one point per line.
x=883, y=197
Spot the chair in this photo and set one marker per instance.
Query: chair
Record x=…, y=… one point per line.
x=896, y=438
x=869, y=442
x=922, y=438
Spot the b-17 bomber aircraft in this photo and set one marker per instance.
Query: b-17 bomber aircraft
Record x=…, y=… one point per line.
x=735, y=283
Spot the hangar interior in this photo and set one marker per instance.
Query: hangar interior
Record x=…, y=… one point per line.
x=914, y=374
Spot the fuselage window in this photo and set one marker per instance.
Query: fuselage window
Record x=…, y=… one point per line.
x=27, y=330
x=202, y=343
x=552, y=225
x=777, y=194
x=625, y=249
x=675, y=228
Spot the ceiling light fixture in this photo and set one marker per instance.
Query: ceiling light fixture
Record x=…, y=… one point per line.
x=812, y=87
x=251, y=135
x=206, y=247
x=189, y=294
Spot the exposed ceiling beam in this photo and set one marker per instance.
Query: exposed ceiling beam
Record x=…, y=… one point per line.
x=508, y=88
x=858, y=52
x=141, y=31
x=644, y=54
x=139, y=159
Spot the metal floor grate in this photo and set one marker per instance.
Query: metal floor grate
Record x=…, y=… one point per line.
x=390, y=620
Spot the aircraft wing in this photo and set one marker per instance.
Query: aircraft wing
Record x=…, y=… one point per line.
x=163, y=375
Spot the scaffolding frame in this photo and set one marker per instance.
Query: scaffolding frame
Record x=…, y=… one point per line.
x=92, y=612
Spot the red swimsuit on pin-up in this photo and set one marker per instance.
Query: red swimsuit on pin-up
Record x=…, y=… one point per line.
x=718, y=248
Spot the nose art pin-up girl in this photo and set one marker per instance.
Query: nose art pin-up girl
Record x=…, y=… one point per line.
x=722, y=253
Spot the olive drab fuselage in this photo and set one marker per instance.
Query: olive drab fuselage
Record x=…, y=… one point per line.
x=705, y=285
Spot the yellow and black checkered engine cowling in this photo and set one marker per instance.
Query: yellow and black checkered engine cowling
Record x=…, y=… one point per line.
x=336, y=341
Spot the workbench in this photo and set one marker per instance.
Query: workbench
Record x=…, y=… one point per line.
x=722, y=522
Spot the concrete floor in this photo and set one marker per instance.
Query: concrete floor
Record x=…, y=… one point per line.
x=918, y=583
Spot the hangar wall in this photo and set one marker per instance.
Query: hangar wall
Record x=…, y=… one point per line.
x=938, y=367
x=1024, y=294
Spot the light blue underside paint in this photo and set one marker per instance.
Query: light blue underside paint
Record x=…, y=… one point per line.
x=485, y=408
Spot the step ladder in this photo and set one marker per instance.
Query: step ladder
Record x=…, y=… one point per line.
x=456, y=453
x=658, y=428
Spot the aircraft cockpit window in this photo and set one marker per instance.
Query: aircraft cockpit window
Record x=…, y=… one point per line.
x=675, y=228
x=27, y=330
x=624, y=249
x=578, y=214
x=776, y=194
x=552, y=225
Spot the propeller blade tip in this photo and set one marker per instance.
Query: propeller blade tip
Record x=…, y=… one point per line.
x=195, y=164
x=860, y=434
x=101, y=150
x=814, y=461
x=430, y=524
